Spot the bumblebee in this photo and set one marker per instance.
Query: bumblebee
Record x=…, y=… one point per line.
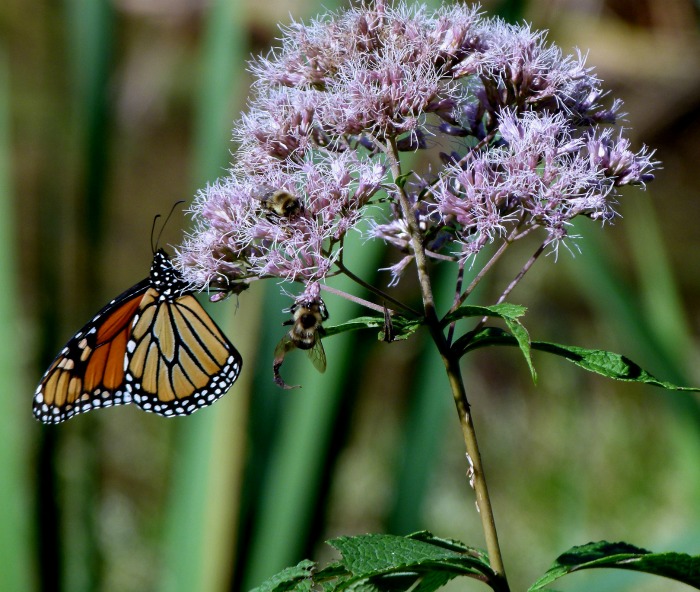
x=306, y=332
x=282, y=204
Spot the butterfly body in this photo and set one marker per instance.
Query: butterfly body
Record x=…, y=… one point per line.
x=153, y=345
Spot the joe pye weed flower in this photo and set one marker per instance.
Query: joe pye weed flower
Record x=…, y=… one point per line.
x=517, y=138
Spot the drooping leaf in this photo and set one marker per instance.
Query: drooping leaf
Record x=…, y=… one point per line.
x=605, y=363
x=509, y=313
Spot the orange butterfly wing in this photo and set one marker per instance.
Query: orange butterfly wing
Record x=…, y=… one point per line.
x=153, y=345
x=89, y=371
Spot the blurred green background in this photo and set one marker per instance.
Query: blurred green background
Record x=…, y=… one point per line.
x=112, y=111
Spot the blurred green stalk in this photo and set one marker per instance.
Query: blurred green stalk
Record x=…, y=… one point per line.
x=198, y=540
x=300, y=451
x=15, y=544
x=90, y=27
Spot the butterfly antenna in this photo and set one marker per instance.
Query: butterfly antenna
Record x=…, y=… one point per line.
x=153, y=229
x=160, y=232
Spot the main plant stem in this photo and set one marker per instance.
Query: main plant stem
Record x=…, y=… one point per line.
x=454, y=375
x=478, y=477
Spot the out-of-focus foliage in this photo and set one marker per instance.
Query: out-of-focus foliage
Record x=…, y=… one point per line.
x=107, y=106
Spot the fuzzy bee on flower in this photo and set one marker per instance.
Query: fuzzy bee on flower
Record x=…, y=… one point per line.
x=282, y=204
x=308, y=315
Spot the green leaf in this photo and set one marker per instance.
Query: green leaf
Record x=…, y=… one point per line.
x=332, y=576
x=676, y=566
x=433, y=581
x=419, y=562
x=290, y=578
x=605, y=363
x=483, y=338
x=402, y=179
x=403, y=326
x=608, y=364
x=376, y=554
x=450, y=544
x=503, y=311
x=510, y=313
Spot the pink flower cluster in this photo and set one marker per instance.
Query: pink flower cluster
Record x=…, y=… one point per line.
x=514, y=134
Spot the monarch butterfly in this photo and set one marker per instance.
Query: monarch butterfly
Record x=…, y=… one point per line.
x=153, y=345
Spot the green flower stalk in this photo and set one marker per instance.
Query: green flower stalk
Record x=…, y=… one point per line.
x=517, y=138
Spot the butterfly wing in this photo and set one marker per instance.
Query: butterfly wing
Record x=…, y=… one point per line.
x=88, y=373
x=153, y=345
x=178, y=360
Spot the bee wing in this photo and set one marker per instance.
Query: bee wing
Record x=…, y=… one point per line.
x=283, y=347
x=318, y=355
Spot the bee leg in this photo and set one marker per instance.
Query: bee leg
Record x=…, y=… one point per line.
x=280, y=352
